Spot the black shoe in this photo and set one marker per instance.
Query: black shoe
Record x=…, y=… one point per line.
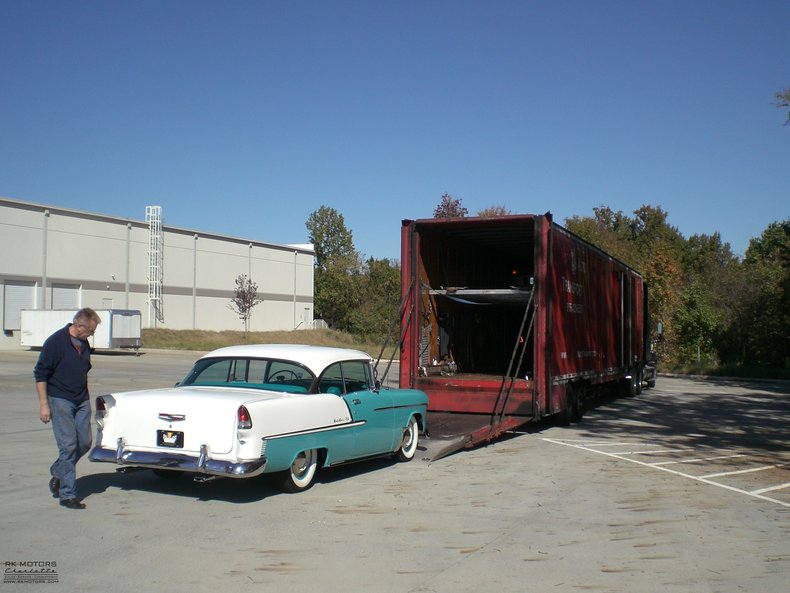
x=72, y=503
x=54, y=487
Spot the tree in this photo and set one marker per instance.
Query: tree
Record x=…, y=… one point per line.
x=767, y=310
x=783, y=101
x=494, y=212
x=710, y=266
x=337, y=295
x=338, y=268
x=332, y=241
x=664, y=277
x=377, y=312
x=613, y=232
x=707, y=259
x=697, y=323
x=245, y=297
x=772, y=246
x=449, y=207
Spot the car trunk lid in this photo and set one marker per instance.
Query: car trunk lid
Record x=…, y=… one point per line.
x=182, y=419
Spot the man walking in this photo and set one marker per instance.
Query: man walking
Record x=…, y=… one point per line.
x=61, y=376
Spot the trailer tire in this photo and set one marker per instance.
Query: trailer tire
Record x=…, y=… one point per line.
x=571, y=412
x=579, y=397
x=634, y=384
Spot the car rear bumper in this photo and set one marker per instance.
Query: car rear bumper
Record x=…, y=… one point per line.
x=201, y=464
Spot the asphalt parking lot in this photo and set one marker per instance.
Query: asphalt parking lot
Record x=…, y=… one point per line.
x=684, y=488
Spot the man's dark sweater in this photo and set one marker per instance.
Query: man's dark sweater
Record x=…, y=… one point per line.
x=63, y=368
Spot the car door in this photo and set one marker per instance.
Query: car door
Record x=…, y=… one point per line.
x=371, y=409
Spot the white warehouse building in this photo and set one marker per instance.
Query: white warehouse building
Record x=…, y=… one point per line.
x=59, y=258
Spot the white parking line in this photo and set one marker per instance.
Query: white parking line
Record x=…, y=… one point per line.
x=742, y=471
x=755, y=494
x=699, y=459
x=780, y=487
x=608, y=443
x=653, y=452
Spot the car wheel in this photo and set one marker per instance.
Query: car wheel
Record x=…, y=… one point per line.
x=408, y=445
x=300, y=475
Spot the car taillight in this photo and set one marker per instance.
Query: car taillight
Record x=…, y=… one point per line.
x=101, y=407
x=244, y=421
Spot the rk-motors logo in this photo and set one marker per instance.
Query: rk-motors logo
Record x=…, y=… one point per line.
x=30, y=571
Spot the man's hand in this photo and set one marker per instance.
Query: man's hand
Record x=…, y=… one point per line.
x=43, y=403
x=43, y=413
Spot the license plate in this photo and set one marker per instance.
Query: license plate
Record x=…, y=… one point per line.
x=170, y=438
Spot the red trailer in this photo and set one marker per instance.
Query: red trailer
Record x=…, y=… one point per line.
x=511, y=319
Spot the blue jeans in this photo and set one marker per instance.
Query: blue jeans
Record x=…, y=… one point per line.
x=71, y=423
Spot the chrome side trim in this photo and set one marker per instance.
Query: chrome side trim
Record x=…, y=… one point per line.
x=179, y=462
x=320, y=429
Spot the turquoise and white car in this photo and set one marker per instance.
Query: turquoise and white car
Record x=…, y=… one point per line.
x=268, y=408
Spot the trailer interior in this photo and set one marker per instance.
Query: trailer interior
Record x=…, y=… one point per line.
x=475, y=313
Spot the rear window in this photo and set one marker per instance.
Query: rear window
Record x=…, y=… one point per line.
x=256, y=373
x=346, y=377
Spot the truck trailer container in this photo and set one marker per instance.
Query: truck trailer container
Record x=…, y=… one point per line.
x=511, y=319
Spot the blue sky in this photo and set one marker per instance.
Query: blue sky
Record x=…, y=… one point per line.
x=244, y=117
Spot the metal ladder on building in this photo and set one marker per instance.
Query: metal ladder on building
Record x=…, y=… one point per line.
x=153, y=216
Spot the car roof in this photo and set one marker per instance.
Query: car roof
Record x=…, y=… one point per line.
x=315, y=358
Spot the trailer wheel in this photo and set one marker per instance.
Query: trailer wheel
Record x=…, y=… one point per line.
x=408, y=445
x=299, y=476
x=572, y=411
x=579, y=397
x=634, y=384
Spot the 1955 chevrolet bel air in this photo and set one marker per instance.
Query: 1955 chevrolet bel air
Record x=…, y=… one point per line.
x=247, y=410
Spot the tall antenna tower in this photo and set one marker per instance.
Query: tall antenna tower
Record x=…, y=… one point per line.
x=153, y=216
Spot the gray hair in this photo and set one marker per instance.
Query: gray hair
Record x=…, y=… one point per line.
x=87, y=314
